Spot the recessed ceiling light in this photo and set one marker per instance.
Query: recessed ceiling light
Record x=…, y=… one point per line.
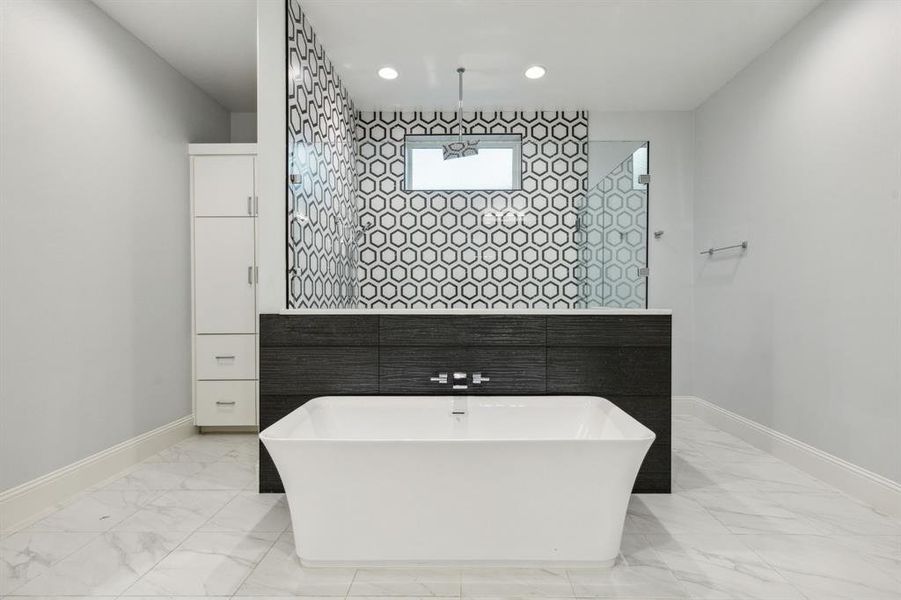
x=535, y=72
x=387, y=73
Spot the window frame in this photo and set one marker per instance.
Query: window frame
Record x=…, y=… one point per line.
x=512, y=141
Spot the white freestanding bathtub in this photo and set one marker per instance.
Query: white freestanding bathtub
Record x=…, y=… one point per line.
x=517, y=480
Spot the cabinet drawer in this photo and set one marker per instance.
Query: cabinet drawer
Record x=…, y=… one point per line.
x=225, y=356
x=225, y=403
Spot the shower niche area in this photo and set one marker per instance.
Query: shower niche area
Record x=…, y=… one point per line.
x=560, y=223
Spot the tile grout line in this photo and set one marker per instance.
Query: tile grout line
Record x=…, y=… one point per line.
x=257, y=564
x=185, y=538
x=52, y=564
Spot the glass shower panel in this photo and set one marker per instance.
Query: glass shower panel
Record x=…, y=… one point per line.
x=613, y=225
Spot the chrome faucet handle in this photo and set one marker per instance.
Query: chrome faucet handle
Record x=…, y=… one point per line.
x=460, y=381
x=478, y=379
x=441, y=378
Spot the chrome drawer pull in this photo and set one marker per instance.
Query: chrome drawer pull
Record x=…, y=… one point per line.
x=223, y=403
x=226, y=357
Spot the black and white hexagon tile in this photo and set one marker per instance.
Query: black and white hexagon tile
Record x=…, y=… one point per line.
x=614, y=241
x=322, y=215
x=472, y=249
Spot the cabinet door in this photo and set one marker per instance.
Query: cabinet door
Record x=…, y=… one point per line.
x=223, y=186
x=224, y=298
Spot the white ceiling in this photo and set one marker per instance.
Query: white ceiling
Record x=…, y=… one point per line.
x=211, y=42
x=600, y=54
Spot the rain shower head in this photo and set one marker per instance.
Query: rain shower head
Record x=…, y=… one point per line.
x=460, y=148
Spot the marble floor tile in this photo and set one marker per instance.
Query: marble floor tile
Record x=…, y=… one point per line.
x=821, y=567
x=669, y=513
x=516, y=583
x=281, y=574
x=156, y=476
x=188, y=523
x=383, y=598
x=177, y=510
x=27, y=554
x=756, y=476
x=64, y=597
x=98, y=511
x=838, y=514
x=192, y=453
x=107, y=566
x=714, y=566
x=420, y=582
x=638, y=572
x=250, y=511
x=747, y=512
x=205, y=564
x=180, y=597
x=722, y=451
x=883, y=552
x=627, y=582
x=221, y=476
x=243, y=454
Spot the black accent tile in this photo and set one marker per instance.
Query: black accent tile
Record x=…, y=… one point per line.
x=511, y=369
x=612, y=330
x=319, y=330
x=462, y=330
x=319, y=370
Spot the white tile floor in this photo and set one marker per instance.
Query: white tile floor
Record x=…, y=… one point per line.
x=187, y=523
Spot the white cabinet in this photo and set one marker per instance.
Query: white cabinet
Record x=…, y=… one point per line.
x=223, y=186
x=225, y=357
x=224, y=281
x=224, y=275
x=225, y=403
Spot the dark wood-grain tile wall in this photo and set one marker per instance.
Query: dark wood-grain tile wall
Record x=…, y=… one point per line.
x=620, y=357
x=309, y=356
x=626, y=359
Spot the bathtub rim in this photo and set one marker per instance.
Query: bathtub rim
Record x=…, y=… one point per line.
x=271, y=433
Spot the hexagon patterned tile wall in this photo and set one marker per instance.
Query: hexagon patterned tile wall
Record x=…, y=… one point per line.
x=322, y=251
x=468, y=249
x=614, y=245
x=472, y=249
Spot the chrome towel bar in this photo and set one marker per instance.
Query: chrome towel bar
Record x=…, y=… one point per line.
x=712, y=251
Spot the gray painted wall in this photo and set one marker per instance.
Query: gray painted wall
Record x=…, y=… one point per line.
x=94, y=267
x=799, y=155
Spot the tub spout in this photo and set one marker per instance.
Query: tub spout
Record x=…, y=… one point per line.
x=459, y=405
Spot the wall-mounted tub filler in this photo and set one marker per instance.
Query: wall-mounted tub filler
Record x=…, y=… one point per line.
x=394, y=480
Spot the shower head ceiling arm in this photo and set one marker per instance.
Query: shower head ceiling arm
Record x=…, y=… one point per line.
x=460, y=71
x=459, y=148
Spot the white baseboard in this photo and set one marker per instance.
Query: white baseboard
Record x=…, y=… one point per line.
x=23, y=503
x=881, y=493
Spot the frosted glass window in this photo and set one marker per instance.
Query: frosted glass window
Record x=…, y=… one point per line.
x=639, y=168
x=497, y=166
